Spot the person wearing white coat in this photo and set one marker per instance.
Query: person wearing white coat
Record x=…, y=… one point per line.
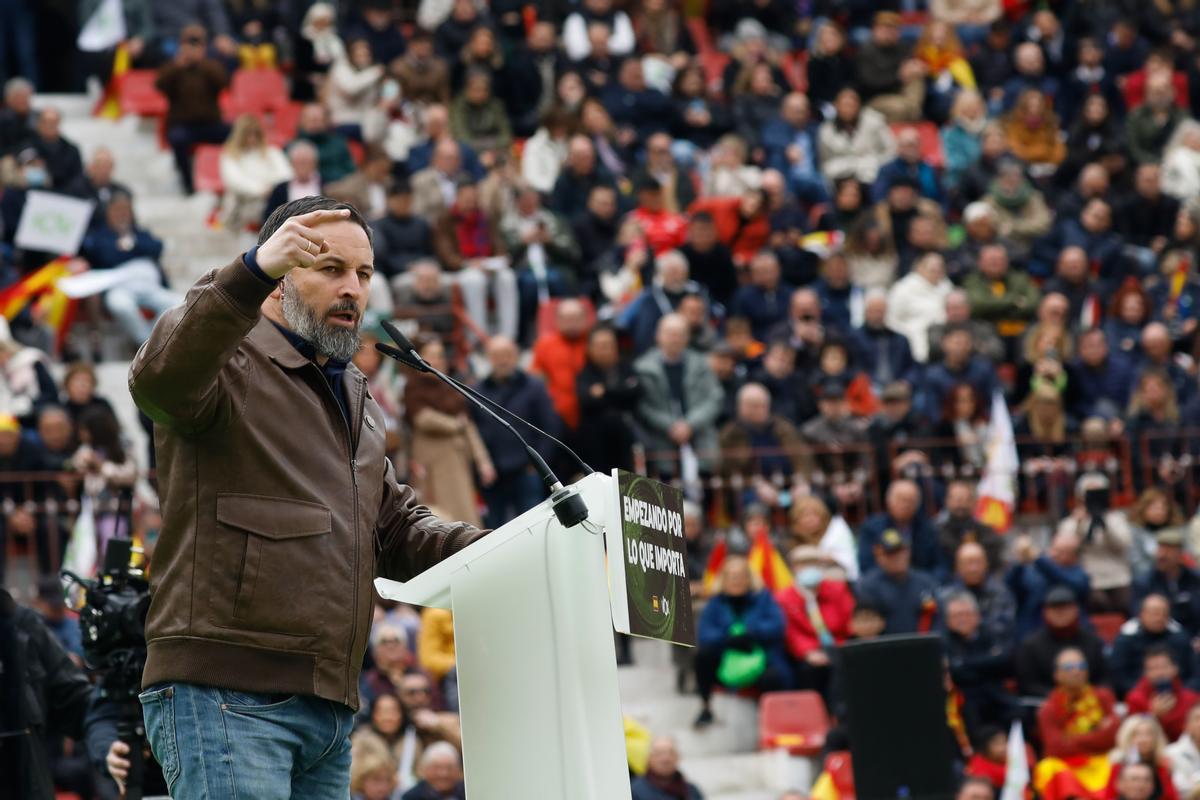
x=918, y=301
x=250, y=169
x=545, y=152
x=856, y=141
x=1185, y=757
x=355, y=89
x=1181, y=163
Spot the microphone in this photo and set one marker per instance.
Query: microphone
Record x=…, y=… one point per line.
x=568, y=505
x=407, y=355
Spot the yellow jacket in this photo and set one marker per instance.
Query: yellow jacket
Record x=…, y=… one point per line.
x=435, y=644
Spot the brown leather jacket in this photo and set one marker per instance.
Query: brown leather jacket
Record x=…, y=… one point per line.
x=276, y=513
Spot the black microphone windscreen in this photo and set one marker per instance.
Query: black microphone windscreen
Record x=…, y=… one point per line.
x=401, y=356
x=397, y=336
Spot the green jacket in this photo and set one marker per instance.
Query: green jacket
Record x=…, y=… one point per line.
x=1014, y=298
x=482, y=127
x=1146, y=137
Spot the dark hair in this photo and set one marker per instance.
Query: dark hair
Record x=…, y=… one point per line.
x=316, y=202
x=949, y=403
x=1156, y=650
x=104, y=433
x=704, y=217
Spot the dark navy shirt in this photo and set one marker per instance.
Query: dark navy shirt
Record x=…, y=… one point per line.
x=333, y=370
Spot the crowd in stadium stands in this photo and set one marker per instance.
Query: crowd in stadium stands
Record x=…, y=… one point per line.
x=804, y=259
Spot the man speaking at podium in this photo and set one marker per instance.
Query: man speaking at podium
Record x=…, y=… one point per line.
x=279, y=508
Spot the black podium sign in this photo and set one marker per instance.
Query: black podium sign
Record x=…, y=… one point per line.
x=650, y=591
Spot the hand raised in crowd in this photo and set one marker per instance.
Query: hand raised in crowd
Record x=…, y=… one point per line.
x=297, y=243
x=1024, y=549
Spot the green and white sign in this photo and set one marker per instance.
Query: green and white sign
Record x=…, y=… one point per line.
x=647, y=561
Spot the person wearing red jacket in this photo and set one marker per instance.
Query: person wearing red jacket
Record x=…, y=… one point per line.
x=559, y=356
x=664, y=230
x=743, y=223
x=1161, y=693
x=1078, y=727
x=818, y=612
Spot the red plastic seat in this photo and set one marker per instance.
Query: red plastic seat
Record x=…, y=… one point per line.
x=795, y=68
x=796, y=721
x=1108, y=626
x=711, y=59
x=281, y=123
x=259, y=90
x=206, y=169
x=931, y=141
x=139, y=96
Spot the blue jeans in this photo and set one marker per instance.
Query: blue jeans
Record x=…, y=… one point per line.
x=220, y=744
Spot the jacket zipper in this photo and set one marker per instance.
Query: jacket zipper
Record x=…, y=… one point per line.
x=350, y=444
x=350, y=433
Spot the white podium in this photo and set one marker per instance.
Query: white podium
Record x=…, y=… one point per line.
x=537, y=670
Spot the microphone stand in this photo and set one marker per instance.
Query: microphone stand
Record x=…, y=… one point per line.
x=567, y=503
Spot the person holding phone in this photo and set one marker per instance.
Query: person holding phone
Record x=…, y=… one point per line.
x=1161, y=692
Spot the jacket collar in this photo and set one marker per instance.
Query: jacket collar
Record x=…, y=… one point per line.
x=277, y=347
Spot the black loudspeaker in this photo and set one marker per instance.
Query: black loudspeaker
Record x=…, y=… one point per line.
x=895, y=702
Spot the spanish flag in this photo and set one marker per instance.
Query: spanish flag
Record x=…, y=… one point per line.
x=764, y=559
x=51, y=307
x=109, y=104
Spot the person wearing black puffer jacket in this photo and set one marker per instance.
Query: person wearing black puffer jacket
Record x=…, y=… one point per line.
x=43, y=696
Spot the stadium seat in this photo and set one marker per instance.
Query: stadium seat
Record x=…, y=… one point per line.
x=1108, y=626
x=712, y=60
x=281, y=123
x=795, y=69
x=206, y=169
x=139, y=96
x=796, y=721
x=259, y=90
x=931, y=141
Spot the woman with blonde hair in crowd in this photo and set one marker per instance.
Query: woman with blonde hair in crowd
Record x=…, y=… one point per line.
x=739, y=637
x=812, y=523
x=1032, y=130
x=1153, y=511
x=250, y=168
x=1140, y=740
x=372, y=774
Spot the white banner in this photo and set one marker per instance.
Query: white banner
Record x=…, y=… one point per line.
x=105, y=29
x=53, y=223
x=95, y=281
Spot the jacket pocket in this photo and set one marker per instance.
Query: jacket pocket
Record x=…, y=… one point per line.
x=268, y=552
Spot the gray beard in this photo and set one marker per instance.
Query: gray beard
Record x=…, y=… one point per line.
x=331, y=341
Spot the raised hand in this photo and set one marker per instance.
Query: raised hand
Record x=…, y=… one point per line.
x=297, y=243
